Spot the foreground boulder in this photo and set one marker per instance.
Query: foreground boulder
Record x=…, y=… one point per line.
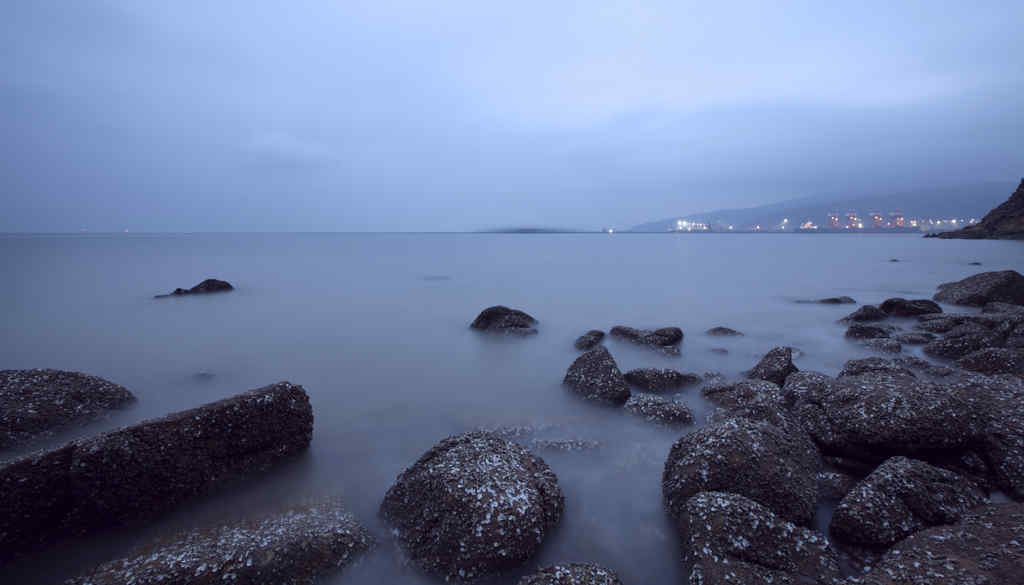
x=745, y=457
x=572, y=574
x=993, y=361
x=500, y=319
x=659, y=410
x=666, y=339
x=899, y=498
x=775, y=366
x=295, y=547
x=660, y=380
x=141, y=471
x=589, y=340
x=903, y=308
x=473, y=505
x=734, y=539
x=35, y=403
x=985, y=547
x=210, y=285
x=1006, y=286
x=595, y=376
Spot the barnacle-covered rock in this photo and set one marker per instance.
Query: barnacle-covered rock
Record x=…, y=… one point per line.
x=501, y=319
x=595, y=376
x=865, y=314
x=660, y=379
x=903, y=308
x=589, y=340
x=572, y=574
x=666, y=339
x=1006, y=286
x=775, y=366
x=659, y=410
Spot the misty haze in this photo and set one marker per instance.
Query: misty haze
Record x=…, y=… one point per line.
x=610, y=293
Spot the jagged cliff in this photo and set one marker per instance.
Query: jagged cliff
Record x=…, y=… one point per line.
x=1005, y=222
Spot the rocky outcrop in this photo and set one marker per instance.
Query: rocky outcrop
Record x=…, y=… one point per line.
x=865, y=314
x=775, y=366
x=665, y=340
x=294, y=547
x=753, y=459
x=994, y=361
x=734, y=539
x=141, y=471
x=660, y=380
x=210, y=285
x=474, y=505
x=723, y=332
x=595, y=376
x=35, y=403
x=958, y=346
x=659, y=410
x=858, y=331
x=1006, y=287
x=899, y=498
x=985, y=547
x=501, y=319
x=1005, y=222
x=572, y=574
x=589, y=340
x=898, y=307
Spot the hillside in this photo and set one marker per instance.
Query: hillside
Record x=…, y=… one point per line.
x=1005, y=222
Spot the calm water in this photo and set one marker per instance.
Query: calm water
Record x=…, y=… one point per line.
x=375, y=328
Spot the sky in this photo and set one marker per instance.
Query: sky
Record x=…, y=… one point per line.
x=249, y=115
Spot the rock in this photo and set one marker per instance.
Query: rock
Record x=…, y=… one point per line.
x=858, y=331
x=719, y=350
x=474, y=505
x=659, y=410
x=914, y=338
x=595, y=376
x=1005, y=222
x=898, y=307
x=775, y=366
x=834, y=485
x=806, y=387
x=883, y=345
x=865, y=314
x=35, y=403
x=753, y=459
x=874, y=365
x=833, y=301
x=999, y=308
x=141, y=471
x=210, y=285
x=993, y=361
x=501, y=319
x=589, y=340
x=974, y=263
x=572, y=574
x=294, y=547
x=957, y=347
x=940, y=324
x=899, y=498
x=565, y=445
x=744, y=392
x=660, y=380
x=734, y=539
x=894, y=260
x=723, y=332
x=666, y=339
x=1006, y=286
x=985, y=547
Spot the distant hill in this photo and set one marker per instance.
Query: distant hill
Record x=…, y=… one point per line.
x=1005, y=222
x=962, y=201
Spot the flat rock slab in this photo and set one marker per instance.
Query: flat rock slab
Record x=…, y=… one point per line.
x=138, y=472
x=993, y=361
x=295, y=547
x=572, y=574
x=35, y=403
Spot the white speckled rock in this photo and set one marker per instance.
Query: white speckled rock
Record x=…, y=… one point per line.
x=595, y=376
x=572, y=574
x=775, y=366
x=659, y=410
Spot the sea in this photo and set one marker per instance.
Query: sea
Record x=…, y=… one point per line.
x=375, y=327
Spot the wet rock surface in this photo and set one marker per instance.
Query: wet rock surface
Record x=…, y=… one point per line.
x=665, y=340
x=138, y=472
x=914, y=338
x=898, y=307
x=834, y=485
x=660, y=379
x=294, y=547
x=858, y=331
x=959, y=346
x=1006, y=286
x=723, y=332
x=35, y=403
x=899, y=498
x=473, y=505
x=659, y=410
x=736, y=394
x=883, y=345
x=865, y=314
x=210, y=285
x=589, y=340
x=595, y=376
x=734, y=539
x=572, y=574
x=833, y=301
x=775, y=366
x=993, y=361
x=501, y=319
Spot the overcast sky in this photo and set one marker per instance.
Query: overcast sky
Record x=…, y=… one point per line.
x=430, y=115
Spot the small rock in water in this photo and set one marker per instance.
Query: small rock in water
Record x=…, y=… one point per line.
x=723, y=332
x=894, y=260
x=898, y=307
x=500, y=319
x=660, y=380
x=572, y=574
x=974, y=263
x=659, y=410
x=865, y=314
x=833, y=301
x=775, y=366
x=589, y=340
x=719, y=350
x=210, y=285
x=666, y=339
x=595, y=376
x=858, y=331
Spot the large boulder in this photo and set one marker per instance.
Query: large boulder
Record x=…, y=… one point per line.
x=985, y=547
x=501, y=319
x=1006, y=286
x=35, y=403
x=210, y=285
x=589, y=340
x=865, y=314
x=572, y=574
x=474, y=505
x=734, y=539
x=993, y=361
x=660, y=379
x=595, y=376
x=775, y=366
x=899, y=498
x=665, y=340
x=746, y=457
x=141, y=471
x=659, y=410
x=294, y=547
x=898, y=307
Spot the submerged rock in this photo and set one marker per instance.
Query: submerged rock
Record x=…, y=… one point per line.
x=1006, y=286
x=898, y=307
x=723, y=332
x=899, y=498
x=572, y=574
x=659, y=410
x=595, y=376
x=589, y=340
x=833, y=301
x=210, y=285
x=294, y=547
x=660, y=379
x=140, y=471
x=501, y=319
x=35, y=403
x=865, y=314
x=775, y=366
x=994, y=361
x=666, y=339
x=734, y=539
x=474, y=505
x=858, y=331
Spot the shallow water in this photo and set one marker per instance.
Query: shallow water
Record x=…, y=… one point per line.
x=375, y=328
